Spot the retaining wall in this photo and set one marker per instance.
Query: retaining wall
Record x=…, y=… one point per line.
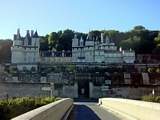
x=16, y=89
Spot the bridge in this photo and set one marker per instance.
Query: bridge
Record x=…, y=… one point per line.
x=104, y=109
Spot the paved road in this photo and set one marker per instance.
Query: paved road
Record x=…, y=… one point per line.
x=91, y=111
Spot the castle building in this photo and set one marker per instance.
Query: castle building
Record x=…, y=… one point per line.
x=26, y=54
x=103, y=51
x=25, y=50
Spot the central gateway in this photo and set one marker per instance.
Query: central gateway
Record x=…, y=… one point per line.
x=83, y=84
x=94, y=82
x=83, y=88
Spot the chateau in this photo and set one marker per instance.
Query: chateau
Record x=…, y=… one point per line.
x=105, y=51
x=25, y=50
x=96, y=67
x=26, y=54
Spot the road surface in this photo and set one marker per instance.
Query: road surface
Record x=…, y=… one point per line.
x=92, y=111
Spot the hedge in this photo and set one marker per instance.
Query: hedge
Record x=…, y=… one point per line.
x=13, y=107
x=151, y=98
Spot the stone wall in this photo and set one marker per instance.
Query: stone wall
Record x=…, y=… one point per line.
x=17, y=89
x=124, y=92
x=70, y=91
x=134, y=92
x=22, y=89
x=94, y=91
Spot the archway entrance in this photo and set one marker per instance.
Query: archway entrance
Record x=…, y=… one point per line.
x=83, y=88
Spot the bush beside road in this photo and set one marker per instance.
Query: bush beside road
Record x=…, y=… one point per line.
x=151, y=98
x=10, y=108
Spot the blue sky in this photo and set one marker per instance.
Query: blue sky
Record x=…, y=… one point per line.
x=80, y=15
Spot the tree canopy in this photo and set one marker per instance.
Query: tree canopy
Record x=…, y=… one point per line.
x=139, y=39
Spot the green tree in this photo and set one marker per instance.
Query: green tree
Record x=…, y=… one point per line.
x=157, y=43
x=139, y=28
x=132, y=42
x=65, y=40
x=44, y=46
x=139, y=39
x=157, y=40
x=96, y=34
x=114, y=35
x=52, y=40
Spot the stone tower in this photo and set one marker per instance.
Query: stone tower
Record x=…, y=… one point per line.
x=25, y=50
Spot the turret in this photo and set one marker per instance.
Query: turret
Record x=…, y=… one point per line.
x=89, y=37
x=17, y=39
x=96, y=41
x=36, y=39
x=81, y=42
x=107, y=41
x=27, y=40
x=18, y=34
x=89, y=40
x=75, y=41
x=35, y=34
x=32, y=33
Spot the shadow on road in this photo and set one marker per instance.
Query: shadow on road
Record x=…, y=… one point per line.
x=85, y=100
x=82, y=112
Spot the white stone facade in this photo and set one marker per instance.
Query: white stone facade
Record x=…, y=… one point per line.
x=26, y=54
x=25, y=50
x=105, y=51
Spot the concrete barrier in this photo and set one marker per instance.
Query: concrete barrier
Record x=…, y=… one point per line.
x=54, y=111
x=139, y=110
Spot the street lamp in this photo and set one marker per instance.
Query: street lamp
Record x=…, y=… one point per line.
x=51, y=88
x=153, y=92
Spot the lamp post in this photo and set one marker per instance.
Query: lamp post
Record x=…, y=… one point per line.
x=51, y=88
x=153, y=93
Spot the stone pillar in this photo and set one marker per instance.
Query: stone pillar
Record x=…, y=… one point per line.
x=90, y=89
x=63, y=53
x=145, y=77
x=43, y=79
x=52, y=53
x=127, y=78
x=75, y=90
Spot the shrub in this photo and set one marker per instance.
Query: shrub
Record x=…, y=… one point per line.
x=151, y=98
x=13, y=107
